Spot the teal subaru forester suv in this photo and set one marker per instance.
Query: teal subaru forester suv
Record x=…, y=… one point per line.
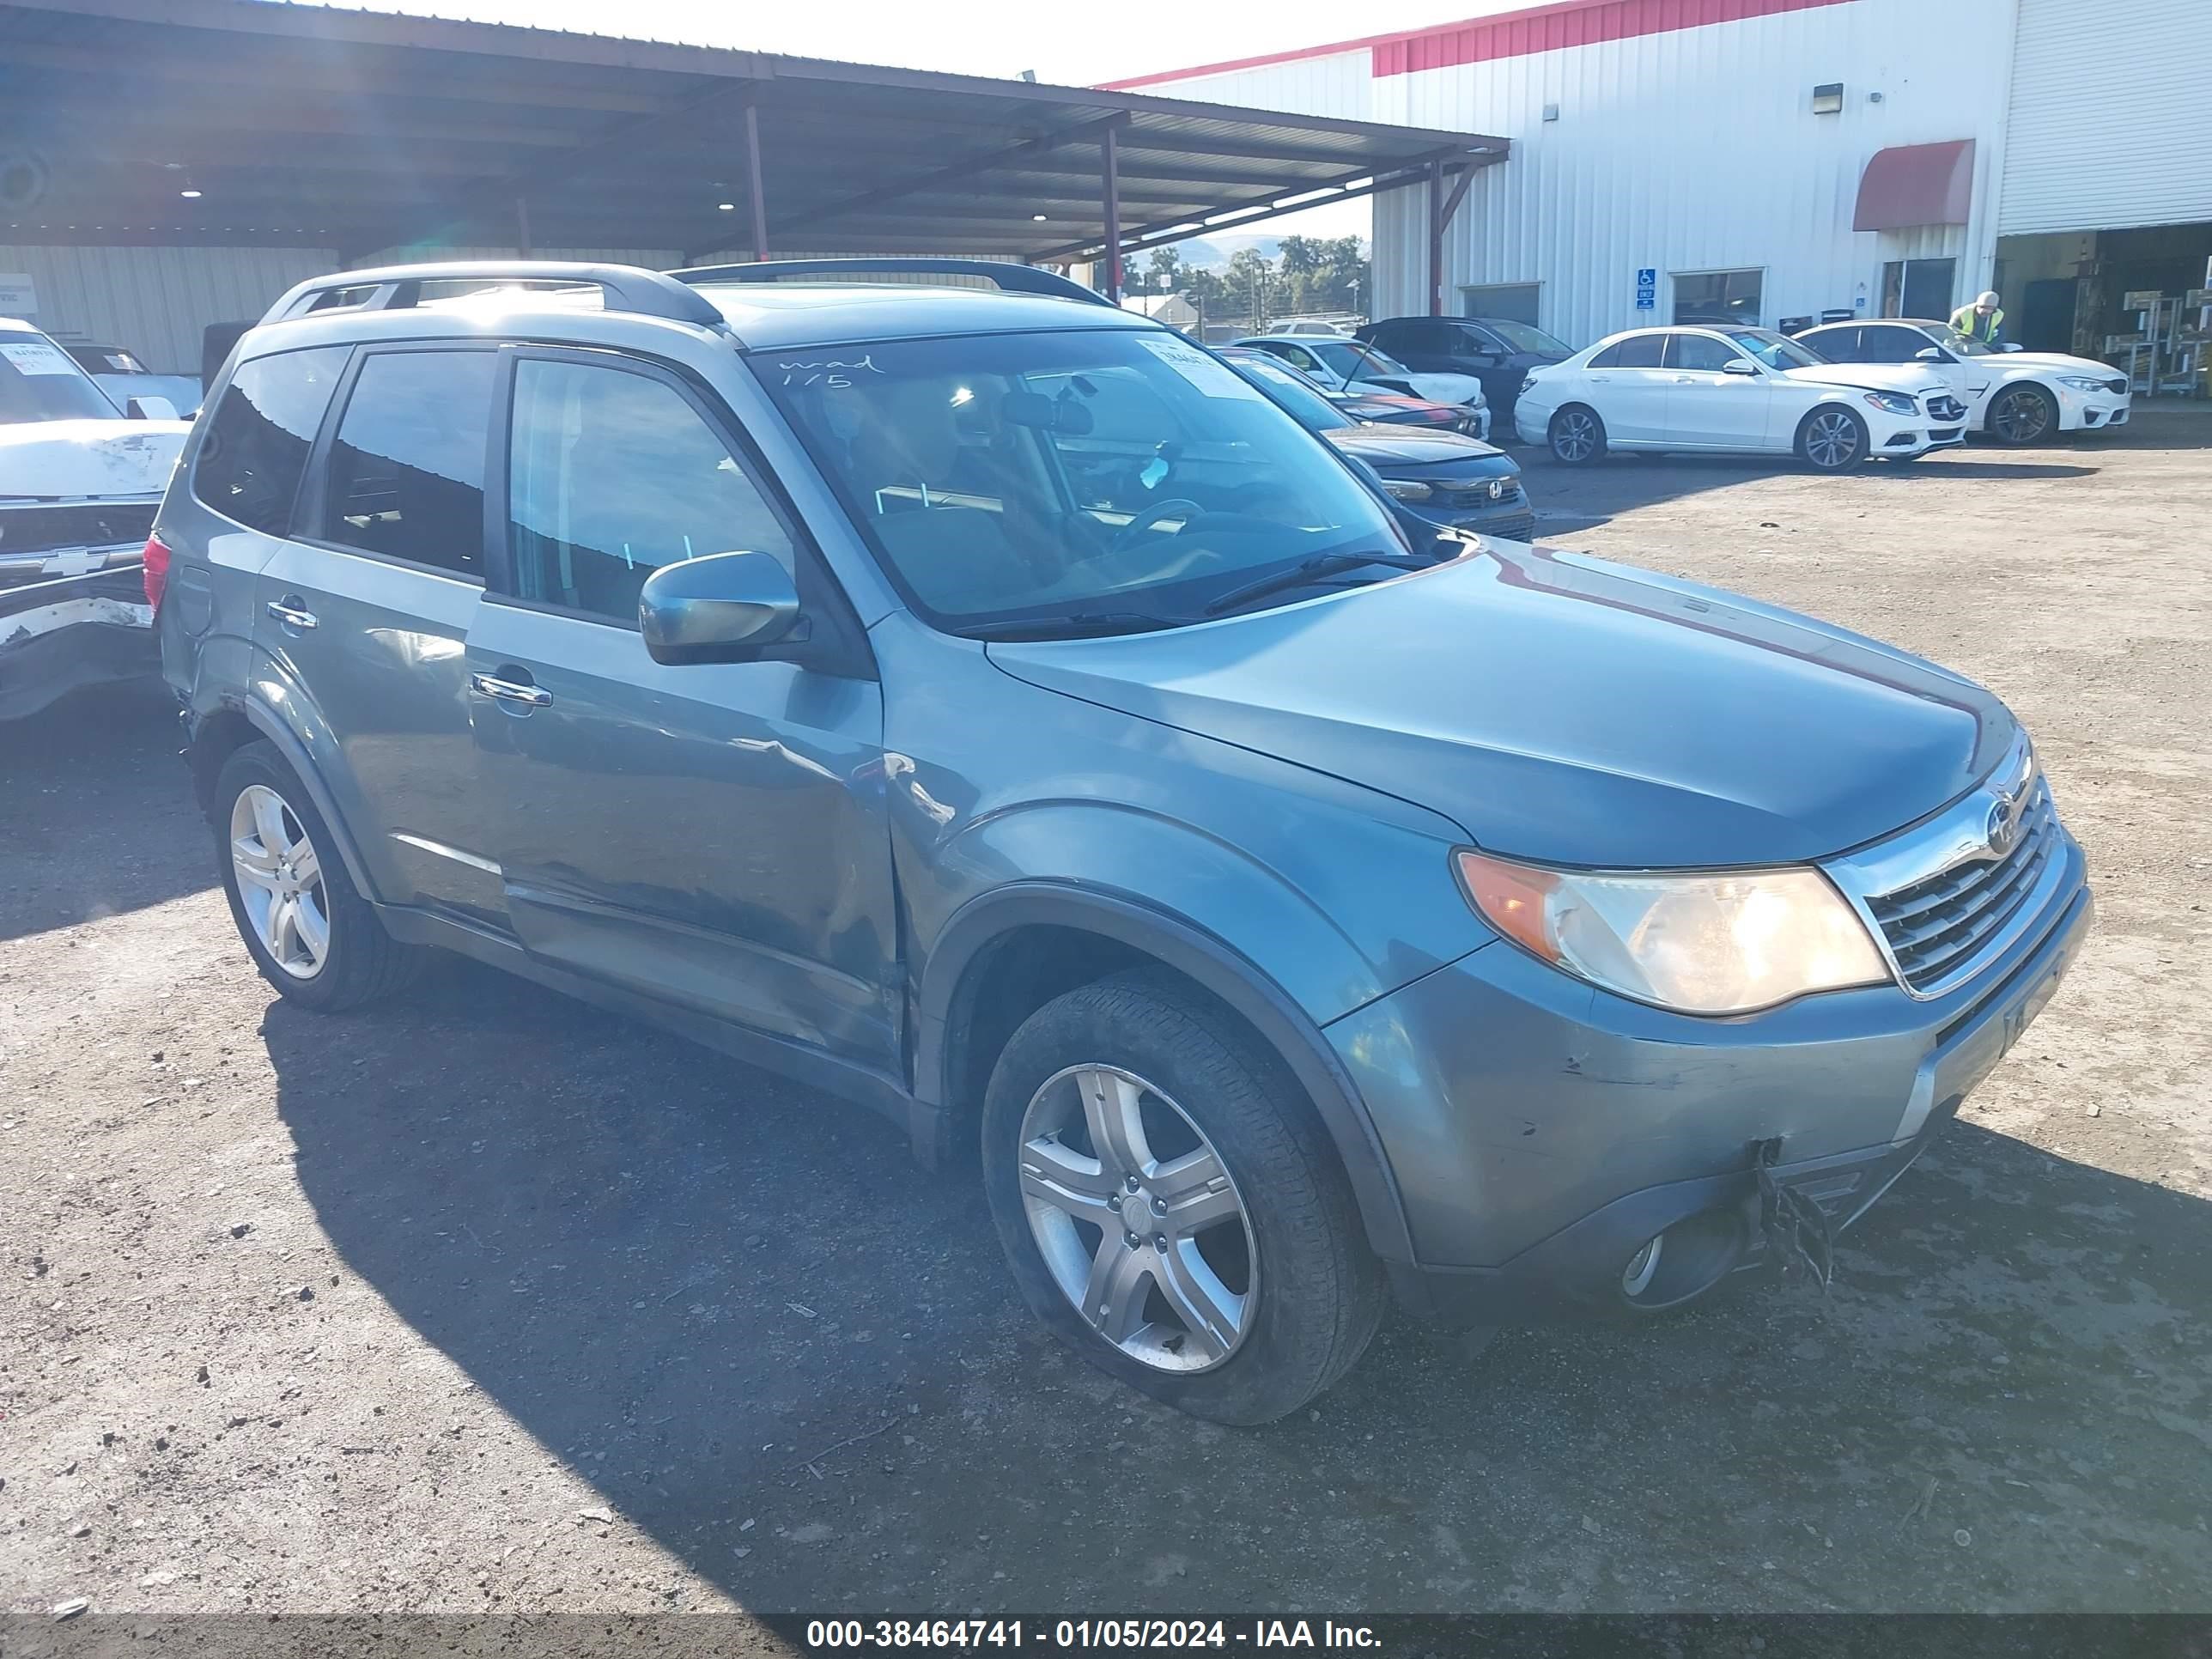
x=986, y=704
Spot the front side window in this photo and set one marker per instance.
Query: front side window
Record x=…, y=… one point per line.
x=1355, y=362
x=38, y=382
x=1525, y=337
x=406, y=471
x=1957, y=344
x=1775, y=350
x=612, y=475
x=1698, y=353
x=1893, y=344
x=1109, y=473
x=255, y=448
x=1718, y=296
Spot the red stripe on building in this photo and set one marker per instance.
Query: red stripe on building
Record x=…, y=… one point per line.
x=1509, y=34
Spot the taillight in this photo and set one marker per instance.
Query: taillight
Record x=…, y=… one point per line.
x=157, y=570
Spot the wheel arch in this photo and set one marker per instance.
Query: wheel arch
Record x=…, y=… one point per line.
x=959, y=1029
x=237, y=721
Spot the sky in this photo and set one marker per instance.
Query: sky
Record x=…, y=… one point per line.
x=1068, y=43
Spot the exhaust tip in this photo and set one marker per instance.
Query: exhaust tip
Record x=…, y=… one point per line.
x=1675, y=1268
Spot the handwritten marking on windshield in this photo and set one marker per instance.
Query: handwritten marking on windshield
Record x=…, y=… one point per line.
x=830, y=373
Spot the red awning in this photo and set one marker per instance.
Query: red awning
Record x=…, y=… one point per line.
x=1911, y=184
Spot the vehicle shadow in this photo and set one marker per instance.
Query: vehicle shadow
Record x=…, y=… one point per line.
x=725, y=1299
x=79, y=782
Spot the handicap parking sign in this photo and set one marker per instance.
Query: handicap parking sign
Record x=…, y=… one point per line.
x=1647, y=287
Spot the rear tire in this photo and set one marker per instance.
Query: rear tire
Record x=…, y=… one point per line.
x=308, y=930
x=1833, y=439
x=1577, y=435
x=1290, y=1295
x=2023, y=415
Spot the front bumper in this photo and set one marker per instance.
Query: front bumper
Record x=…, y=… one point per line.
x=57, y=635
x=2092, y=412
x=1513, y=518
x=1540, y=1130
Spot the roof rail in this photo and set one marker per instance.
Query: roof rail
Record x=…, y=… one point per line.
x=1012, y=278
x=397, y=287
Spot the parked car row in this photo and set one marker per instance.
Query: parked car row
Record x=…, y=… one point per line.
x=1006, y=713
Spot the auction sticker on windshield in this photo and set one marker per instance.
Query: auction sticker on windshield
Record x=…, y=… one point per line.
x=1213, y=377
x=35, y=357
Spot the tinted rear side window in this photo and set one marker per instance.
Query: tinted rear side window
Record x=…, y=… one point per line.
x=407, y=467
x=257, y=443
x=1638, y=352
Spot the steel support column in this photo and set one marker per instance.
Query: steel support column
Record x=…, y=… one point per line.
x=522, y=228
x=754, y=192
x=1109, y=153
x=1442, y=206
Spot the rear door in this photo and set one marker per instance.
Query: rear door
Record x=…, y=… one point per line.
x=712, y=835
x=366, y=608
x=1708, y=407
x=1628, y=386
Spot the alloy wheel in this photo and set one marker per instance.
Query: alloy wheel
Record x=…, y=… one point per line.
x=2022, y=416
x=1138, y=1219
x=280, y=881
x=1832, y=439
x=1574, y=437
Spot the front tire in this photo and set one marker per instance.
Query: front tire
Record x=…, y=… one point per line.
x=2023, y=415
x=1833, y=439
x=1577, y=436
x=308, y=930
x=1136, y=1109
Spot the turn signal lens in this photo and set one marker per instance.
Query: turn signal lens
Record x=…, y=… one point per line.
x=1724, y=943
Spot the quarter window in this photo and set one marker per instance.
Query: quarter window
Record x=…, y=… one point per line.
x=256, y=447
x=406, y=469
x=614, y=474
x=1718, y=296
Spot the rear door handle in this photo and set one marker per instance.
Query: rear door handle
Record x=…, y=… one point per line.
x=292, y=610
x=530, y=696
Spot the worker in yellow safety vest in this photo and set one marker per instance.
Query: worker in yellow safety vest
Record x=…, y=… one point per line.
x=1981, y=320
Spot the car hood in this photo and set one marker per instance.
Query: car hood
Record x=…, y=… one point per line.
x=1561, y=708
x=1874, y=377
x=2053, y=362
x=88, y=459
x=1408, y=446
x=1445, y=388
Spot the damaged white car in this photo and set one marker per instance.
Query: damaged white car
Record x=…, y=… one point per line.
x=79, y=483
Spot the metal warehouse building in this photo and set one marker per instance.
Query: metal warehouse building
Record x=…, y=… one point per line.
x=1778, y=159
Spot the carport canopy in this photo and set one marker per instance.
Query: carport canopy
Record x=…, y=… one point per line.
x=235, y=123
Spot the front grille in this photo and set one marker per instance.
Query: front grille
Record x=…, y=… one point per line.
x=98, y=523
x=2116, y=388
x=1947, y=409
x=1938, y=927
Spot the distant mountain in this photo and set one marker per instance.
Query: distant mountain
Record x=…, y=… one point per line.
x=1215, y=252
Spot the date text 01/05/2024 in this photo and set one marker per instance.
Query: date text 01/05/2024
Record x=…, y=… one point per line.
x=1084, y=1635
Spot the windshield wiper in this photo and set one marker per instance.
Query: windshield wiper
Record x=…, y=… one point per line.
x=1079, y=626
x=1311, y=570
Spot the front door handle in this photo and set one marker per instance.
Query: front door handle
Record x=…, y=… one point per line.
x=530, y=696
x=292, y=610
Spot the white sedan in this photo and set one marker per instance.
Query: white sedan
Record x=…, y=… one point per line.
x=1734, y=389
x=1349, y=364
x=2015, y=397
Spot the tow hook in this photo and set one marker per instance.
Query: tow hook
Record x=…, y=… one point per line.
x=1795, y=1231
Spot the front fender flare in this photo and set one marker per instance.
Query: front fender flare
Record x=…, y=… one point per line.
x=1204, y=957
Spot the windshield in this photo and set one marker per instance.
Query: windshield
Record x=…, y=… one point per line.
x=1356, y=362
x=1955, y=343
x=107, y=360
x=1775, y=350
x=1054, y=474
x=1296, y=393
x=1521, y=337
x=38, y=382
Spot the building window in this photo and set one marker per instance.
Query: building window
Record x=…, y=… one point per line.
x=1918, y=287
x=1718, y=296
x=1515, y=302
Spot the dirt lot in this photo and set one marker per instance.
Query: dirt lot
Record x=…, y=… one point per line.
x=486, y=1301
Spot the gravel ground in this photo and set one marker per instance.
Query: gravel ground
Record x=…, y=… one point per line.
x=486, y=1302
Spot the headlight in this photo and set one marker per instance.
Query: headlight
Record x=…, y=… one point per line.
x=1528, y=383
x=1895, y=402
x=2081, y=382
x=1407, y=490
x=1714, y=944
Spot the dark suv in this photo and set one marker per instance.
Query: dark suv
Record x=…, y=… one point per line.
x=1495, y=351
x=990, y=706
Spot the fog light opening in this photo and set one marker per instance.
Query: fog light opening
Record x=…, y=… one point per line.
x=1684, y=1262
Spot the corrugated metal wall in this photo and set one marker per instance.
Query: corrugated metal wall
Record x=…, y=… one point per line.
x=155, y=301
x=1685, y=150
x=2111, y=116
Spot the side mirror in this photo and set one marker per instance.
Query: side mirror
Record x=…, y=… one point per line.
x=723, y=607
x=151, y=408
x=1739, y=365
x=2012, y=345
x=1932, y=355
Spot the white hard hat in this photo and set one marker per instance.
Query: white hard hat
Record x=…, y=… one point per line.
x=1987, y=302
